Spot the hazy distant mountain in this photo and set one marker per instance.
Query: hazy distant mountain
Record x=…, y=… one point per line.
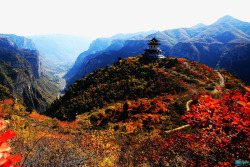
x=97, y=47
x=59, y=48
x=212, y=45
x=224, y=44
x=21, y=42
x=199, y=25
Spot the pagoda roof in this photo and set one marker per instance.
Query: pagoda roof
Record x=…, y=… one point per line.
x=154, y=40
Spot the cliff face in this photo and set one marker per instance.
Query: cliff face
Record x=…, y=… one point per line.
x=28, y=50
x=20, y=71
x=33, y=57
x=7, y=43
x=96, y=46
x=20, y=41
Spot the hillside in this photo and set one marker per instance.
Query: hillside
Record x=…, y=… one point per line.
x=97, y=47
x=210, y=45
x=5, y=93
x=132, y=80
x=144, y=103
x=20, y=71
x=134, y=113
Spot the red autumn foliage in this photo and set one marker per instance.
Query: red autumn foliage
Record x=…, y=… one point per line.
x=226, y=122
x=7, y=160
x=148, y=111
x=66, y=124
x=37, y=116
x=4, y=104
x=229, y=116
x=224, y=138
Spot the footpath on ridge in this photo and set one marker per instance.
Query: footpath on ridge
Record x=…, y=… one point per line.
x=221, y=85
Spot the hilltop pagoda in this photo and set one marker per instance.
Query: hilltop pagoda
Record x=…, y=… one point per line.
x=154, y=52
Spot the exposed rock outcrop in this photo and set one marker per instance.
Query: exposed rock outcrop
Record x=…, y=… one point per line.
x=20, y=71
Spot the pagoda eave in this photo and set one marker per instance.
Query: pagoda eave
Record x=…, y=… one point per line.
x=153, y=43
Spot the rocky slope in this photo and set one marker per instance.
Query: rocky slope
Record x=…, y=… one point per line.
x=21, y=72
x=28, y=47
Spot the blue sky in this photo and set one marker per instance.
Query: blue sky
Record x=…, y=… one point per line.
x=103, y=18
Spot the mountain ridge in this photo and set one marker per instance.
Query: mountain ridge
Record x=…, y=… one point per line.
x=133, y=79
x=98, y=46
x=206, y=44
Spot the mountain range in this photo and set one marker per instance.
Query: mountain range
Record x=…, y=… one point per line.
x=97, y=47
x=223, y=44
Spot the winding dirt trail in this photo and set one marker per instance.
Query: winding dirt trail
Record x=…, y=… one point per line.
x=188, y=104
x=222, y=80
x=182, y=127
x=221, y=85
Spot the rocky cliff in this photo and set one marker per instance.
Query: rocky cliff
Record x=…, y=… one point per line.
x=20, y=71
x=21, y=42
x=28, y=50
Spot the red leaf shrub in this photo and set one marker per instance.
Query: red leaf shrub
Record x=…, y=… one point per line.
x=6, y=160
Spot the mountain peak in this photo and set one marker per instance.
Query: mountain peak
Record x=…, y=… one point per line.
x=199, y=25
x=228, y=19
